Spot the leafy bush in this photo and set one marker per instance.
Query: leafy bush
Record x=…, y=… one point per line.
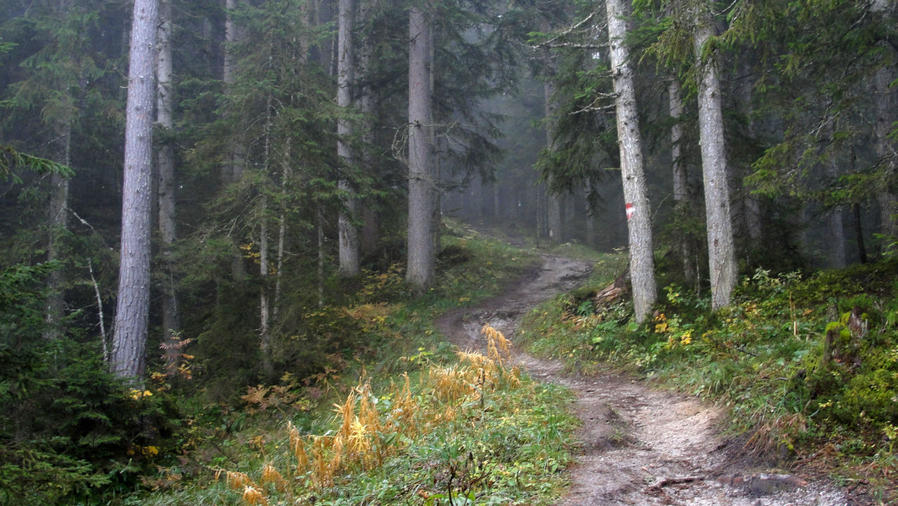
x=68, y=429
x=766, y=356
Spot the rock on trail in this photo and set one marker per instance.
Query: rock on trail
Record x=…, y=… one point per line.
x=638, y=445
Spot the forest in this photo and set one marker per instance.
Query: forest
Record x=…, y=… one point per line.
x=388, y=251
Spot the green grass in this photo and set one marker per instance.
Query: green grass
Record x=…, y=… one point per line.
x=761, y=358
x=510, y=449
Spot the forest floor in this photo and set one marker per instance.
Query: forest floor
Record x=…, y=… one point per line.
x=638, y=444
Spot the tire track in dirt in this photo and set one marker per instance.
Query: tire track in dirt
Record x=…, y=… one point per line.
x=638, y=445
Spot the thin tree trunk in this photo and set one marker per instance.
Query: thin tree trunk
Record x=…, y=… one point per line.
x=859, y=233
x=883, y=96
x=751, y=206
x=721, y=251
x=639, y=219
x=680, y=176
x=235, y=161
x=237, y=155
x=348, y=232
x=420, y=159
x=165, y=171
x=553, y=200
x=835, y=243
x=100, y=323
x=319, y=218
x=540, y=211
x=58, y=221
x=132, y=310
x=264, y=305
x=365, y=102
x=286, y=173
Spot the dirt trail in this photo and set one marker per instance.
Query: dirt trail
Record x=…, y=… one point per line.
x=638, y=445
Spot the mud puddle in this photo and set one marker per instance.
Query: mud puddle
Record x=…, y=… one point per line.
x=638, y=445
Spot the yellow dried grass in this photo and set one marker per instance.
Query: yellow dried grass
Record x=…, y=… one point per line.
x=271, y=475
x=253, y=496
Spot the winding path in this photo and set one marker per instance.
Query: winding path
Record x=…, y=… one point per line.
x=638, y=445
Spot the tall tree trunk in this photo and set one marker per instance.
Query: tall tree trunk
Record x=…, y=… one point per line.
x=132, y=310
x=639, y=219
x=721, y=251
x=286, y=173
x=553, y=200
x=347, y=230
x=680, y=176
x=883, y=96
x=58, y=222
x=264, y=303
x=235, y=161
x=365, y=103
x=751, y=206
x=237, y=155
x=421, y=253
x=165, y=172
x=436, y=188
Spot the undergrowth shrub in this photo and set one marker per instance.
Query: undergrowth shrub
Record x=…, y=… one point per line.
x=791, y=389
x=418, y=422
x=69, y=430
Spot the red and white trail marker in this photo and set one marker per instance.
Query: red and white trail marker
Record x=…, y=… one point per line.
x=630, y=210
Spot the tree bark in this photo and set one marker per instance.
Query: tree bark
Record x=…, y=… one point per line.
x=883, y=97
x=236, y=161
x=165, y=171
x=751, y=206
x=264, y=303
x=365, y=103
x=348, y=232
x=421, y=254
x=721, y=252
x=639, y=220
x=836, y=239
x=58, y=224
x=680, y=176
x=129, y=341
x=554, y=223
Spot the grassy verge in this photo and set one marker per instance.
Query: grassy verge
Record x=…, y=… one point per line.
x=807, y=365
x=410, y=422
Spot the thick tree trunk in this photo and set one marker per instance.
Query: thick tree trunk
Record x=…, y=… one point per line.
x=165, y=172
x=129, y=341
x=680, y=176
x=639, y=220
x=721, y=251
x=421, y=253
x=348, y=231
